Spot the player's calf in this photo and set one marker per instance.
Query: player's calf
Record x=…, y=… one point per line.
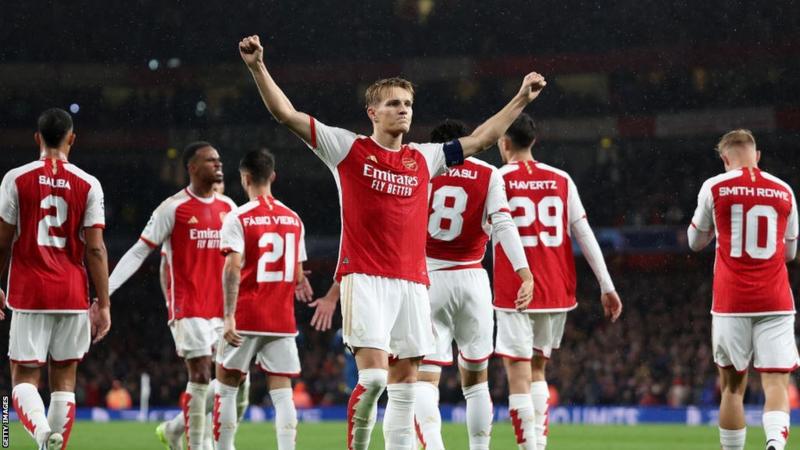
x=362, y=406
x=427, y=419
x=480, y=410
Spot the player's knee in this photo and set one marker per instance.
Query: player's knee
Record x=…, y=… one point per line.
x=473, y=366
x=373, y=380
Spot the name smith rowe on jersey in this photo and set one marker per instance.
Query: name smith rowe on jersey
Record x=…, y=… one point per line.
x=752, y=191
x=391, y=183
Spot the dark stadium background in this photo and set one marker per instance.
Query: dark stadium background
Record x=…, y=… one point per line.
x=638, y=93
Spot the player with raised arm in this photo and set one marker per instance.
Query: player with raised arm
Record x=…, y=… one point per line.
x=51, y=219
x=264, y=244
x=753, y=216
x=188, y=225
x=468, y=205
x=383, y=193
x=548, y=212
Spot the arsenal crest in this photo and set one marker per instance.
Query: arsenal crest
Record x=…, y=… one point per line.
x=410, y=163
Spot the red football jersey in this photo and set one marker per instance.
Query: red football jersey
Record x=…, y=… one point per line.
x=270, y=237
x=544, y=203
x=752, y=213
x=188, y=227
x=383, y=194
x=50, y=201
x=462, y=201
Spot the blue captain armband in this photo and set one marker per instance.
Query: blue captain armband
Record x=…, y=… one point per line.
x=453, y=153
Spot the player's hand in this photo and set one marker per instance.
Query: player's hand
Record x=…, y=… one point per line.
x=612, y=305
x=525, y=291
x=229, y=332
x=2, y=304
x=532, y=86
x=251, y=51
x=303, y=292
x=323, y=315
x=100, y=319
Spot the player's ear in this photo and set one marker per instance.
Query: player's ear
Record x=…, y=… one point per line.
x=371, y=113
x=273, y=177
x=38, y=138
x=758, y=155
x=71, y=139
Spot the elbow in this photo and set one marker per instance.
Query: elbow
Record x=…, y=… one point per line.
x=96, y=252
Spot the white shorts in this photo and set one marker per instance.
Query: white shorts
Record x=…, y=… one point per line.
x=520, y=334
x=461, y=309
x=196, y=337
x=275, y=355
x=388, y=314
x=34, y=336
x=735, y=339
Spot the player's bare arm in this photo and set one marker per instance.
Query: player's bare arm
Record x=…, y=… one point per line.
x=231, y=275
x=7, y=232
x=490, y=131
x=279, y=106
x=326, y=307
x=97, y=263
x=525, y=292
x=302, y=289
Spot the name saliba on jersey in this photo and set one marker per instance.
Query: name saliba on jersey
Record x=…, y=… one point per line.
x=55, y=183
x=389, y=182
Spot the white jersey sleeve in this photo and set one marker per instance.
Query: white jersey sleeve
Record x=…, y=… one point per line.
x=575, y=210
x=703, y=218
x=9, y=199
x=496, y=199
x=331, y=144
x=232, y=234
x=302, y=256
x=792, y=223
x=160, y=225
x=95, y=215
x=434, y=157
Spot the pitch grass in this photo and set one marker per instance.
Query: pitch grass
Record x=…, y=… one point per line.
x=330, y=436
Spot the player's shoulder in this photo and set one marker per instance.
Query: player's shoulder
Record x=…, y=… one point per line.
x=552, y=170
x=80, y=173
x=480, y=164
x=225, y=199
x=172, y=202
x=286, y=208
x=509, y=168
x=773, y=179
x=245, y=208
x=721, y=178
x=16, y=172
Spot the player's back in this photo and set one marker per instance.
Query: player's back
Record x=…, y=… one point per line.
x=753, y=213
x=50, y=201
x=270, y=237
x=460, y=205
x=543, y=207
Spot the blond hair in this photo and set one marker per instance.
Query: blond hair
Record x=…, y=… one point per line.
x=377, y=90
x=736, y=138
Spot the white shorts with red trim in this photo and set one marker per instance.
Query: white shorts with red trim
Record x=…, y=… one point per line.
x=736, y=340
x=274, y=355
x=388, y=314
x=520, y=334
x=461, y=309
x=64, y=337
x=196, y=337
